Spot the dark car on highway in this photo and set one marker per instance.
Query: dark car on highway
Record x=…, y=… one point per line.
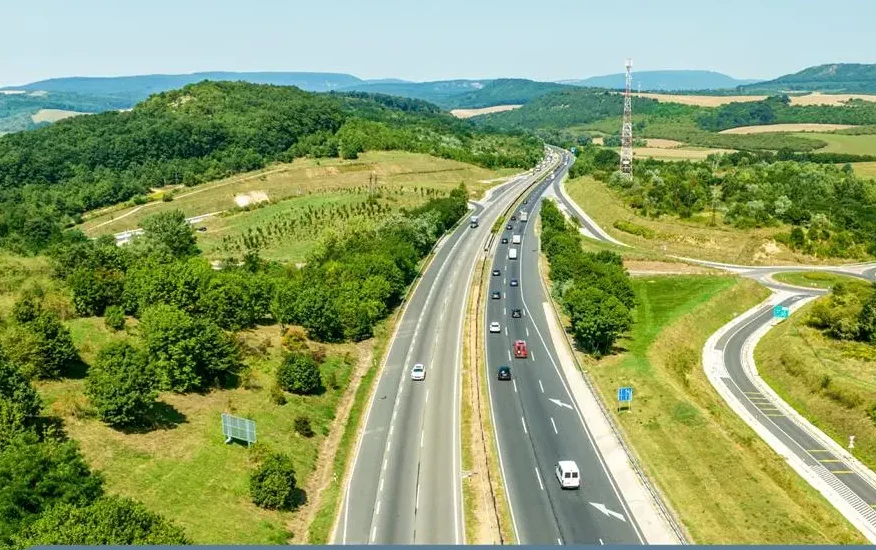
x=509, y=227
x=516, y=313
x=504, y=240
x=513, y=218
x=496, y=295
x=504, y=372
x=496, y=272
x=513, y=282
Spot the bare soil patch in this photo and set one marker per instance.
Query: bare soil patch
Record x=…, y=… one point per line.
x=766, y=128
x=468, y=113
x=659, y=143
x=53, y=115
x=253, y=197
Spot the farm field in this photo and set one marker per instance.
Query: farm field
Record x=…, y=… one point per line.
x=829, y=382
x=677, y=153
x=287, y=208
x=866, y=169
x=814, y=98
x=688, y=439
x=468, y=113
x=805, y=127
x=852, y=144
x=692, y=238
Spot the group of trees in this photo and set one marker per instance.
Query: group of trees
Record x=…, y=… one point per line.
x=210, y=130
x=848, y=313
x=778, y=110
x=593, y=289
x=833, y=211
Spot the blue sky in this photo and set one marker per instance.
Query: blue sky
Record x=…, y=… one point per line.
x=439, y=39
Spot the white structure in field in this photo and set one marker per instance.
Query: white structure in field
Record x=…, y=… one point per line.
x=626, y=156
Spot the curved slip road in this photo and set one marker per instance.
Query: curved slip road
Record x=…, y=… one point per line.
x=537, y=421
x=404, y=486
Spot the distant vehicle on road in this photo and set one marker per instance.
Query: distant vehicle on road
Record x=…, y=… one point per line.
x=418, y=372
x=513, y=282
x=504, y=373
x=494, y=327
x=568, y=474
x=504, y=240
x=524, y=215
x=516, y=239
x=520, y=349
x=496, y=273
x=525, y=201
x=513, y=218
x=516, y=313
x=473, y=222
x=512, y=252
x=509, y=227
x=496, y=295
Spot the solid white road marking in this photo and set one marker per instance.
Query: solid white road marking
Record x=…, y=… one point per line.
x=540, y=385
x=559, y=403
x=515, y=385
x=611, y=513
x=522, y=421
x=538, y=475
x=554, y=424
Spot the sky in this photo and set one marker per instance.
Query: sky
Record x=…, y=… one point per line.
x=435, y=40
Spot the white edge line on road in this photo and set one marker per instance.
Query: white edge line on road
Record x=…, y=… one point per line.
x=422, y=438
x=523, y=421
x=538, y=475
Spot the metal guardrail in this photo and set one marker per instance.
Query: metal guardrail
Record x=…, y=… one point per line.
x=618, y=433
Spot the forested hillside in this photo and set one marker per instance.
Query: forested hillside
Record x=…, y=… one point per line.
x=210, y=130
x=16, y=109
x=834, y=77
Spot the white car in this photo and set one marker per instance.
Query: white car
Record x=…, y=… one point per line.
x=418, y=372
x=568, y=474
x=494, y=327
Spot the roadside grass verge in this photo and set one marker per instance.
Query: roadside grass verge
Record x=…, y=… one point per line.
x=726, y=485
x=693, y=238
x=829, y=382
x=812, y=279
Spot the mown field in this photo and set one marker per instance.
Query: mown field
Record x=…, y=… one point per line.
x=332, y=194
x=725, y=483
x=829, y=382
x=692, y=238
x=812, y=279
x=840, y=143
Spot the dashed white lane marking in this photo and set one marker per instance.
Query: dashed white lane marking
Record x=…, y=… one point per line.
x=540, y=386
x=427, y=395
x=524, y=425
x=554, y=424
x=381, y=486
x=515, y=385
x=384, y=464
x=373, y=532
x=377, y=510
x=538, y=475
x=527, y=332
x=422, y=439
x=509, y=354
x=532, y=355
x=600, y=542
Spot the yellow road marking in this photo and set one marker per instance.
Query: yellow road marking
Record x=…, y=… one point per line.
x=817, y=451
x=829, y=460
x=842, y=472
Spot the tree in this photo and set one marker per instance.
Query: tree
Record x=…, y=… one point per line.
x=299, y=374
x=272, y=484
x=867, y=320
x=19, y=402
x=121, y=386
x=186, y=353
x=236, y=300
x=94, y=289
x=597, y=318
x=37, y=476
x=114, y=317
x=170, y=233
x=110, y=520
x=43, y=346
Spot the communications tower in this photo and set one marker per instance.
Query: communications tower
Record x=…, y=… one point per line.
x=626, y=156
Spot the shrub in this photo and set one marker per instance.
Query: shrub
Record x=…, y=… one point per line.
x=277, y=395
x=272, y=484
x=634, y=229
x=114, y=318
x=122, y=386
x=299, y=374
x=302, y=426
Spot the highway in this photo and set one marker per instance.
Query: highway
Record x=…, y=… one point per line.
x=536, y=419
x=827, y=466
x=404, y=485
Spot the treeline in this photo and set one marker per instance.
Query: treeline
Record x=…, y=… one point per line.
x=833, y=211
x=778, y=110
x=211, y=130
x=848, y=313
x=16, y=109
x=593, y=289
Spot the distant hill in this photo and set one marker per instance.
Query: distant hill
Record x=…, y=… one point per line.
x=139, y=87
x=664, y=81
x=835, y=77
x=438, y=92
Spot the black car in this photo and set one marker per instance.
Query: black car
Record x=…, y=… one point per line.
x=513, y=282
x=513, y=218
x=504, y=372
x=504, y=240
x=496, y=273
x=509, y=227
x=525, y=201
x=516, y=313
x=496, y=295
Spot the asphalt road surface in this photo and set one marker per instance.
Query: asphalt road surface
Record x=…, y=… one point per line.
x=537, y=422
x=405, y=482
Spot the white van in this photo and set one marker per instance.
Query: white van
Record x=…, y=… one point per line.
x=568, y=474
x=512, y=253
x=515, y=239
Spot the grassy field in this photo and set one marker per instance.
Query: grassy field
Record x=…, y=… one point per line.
x=840, y=143
x=770, y=128
x=829, y=382
x=812, y=279
x=679, y=153
x=725, y=483
x=184, y=470
x=865, y=169
x=693, y=238
x=305, y=199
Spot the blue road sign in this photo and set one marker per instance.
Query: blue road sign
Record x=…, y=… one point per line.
x=625, y=395
x=781, y=312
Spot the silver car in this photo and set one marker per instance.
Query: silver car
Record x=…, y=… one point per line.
x=418, y=372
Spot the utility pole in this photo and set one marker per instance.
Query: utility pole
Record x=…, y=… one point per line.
x=626, y=157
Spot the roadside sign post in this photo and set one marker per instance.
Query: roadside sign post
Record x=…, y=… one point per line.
x=625, y=398
x=781, y=312
x=851, y=442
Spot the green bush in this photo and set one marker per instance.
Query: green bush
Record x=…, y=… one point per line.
x=303, y=427
x=272, y=484
x=299, y=374
x=122, y=386
x=277, y=395
x=114, y=317
x=634, y=229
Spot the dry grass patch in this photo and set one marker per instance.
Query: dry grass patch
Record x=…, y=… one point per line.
x=53, y=115
x=468, y=113
x=702, y=100
x=836, y=100
x=866, y=169
x=769, y=128
x=687, y=153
